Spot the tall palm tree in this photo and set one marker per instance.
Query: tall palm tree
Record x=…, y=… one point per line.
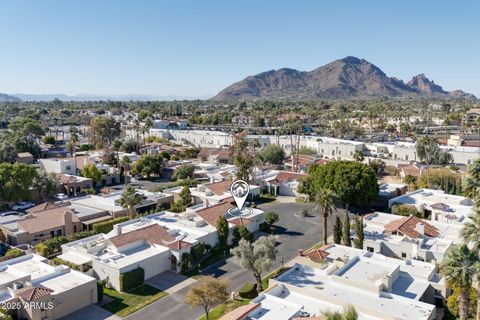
x=471, y=186
x=460, y=267
x=470, y=234
x=326, y=201
x=130, y=198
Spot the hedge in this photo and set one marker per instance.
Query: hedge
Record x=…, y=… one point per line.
x=100, y=286
x=131, y=279
x=53, y=245
x=58, y=262
x=248, y=291
x=107, y=226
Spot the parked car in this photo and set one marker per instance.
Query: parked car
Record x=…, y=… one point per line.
x=61, y=196
x=23, y=205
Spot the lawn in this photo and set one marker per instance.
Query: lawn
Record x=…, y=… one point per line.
x=124, y=303
x=224, y=308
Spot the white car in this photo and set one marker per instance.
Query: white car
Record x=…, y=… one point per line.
x=21, y=206
x=61, y=196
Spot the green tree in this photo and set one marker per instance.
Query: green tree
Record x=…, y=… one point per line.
x=49, y=140
x=271, y=218
x=15, y=181
x=430, y=152
x=471, y=186
x=46, y=184
x=325, y=201
x=185, y=196
x=91, y=171
x=441, y=179
x=106, y=129
x=25, y=126
x=460, y=267
x=257, y=257
x=337, y=231
x=207, y=293
x=148, y=165
x=130, y=198
x=8, y=153
x=453, y=302
x=358, y=156
x=359, y=234
x=241, y=232
x=222, y=229
x=185, y=171
x=354, y=183
x=346, y=230
x=377, y=166
x=273, y=154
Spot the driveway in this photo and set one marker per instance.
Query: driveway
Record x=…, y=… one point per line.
x=294, y=232
x=170, y=281
x=91, y=312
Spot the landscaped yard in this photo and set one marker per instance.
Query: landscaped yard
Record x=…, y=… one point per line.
x=224, y=308
x=124, y=303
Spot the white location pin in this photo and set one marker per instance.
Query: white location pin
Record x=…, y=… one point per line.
x=240, y=190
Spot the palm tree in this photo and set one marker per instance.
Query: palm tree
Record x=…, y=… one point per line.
x=130, y=198
x=470, y=234
x=348, y=313
x=325, y=200
x=471, y=186
x=460, y=267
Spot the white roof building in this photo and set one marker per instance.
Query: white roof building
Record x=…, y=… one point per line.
x=436, y=205
x=334, y=276
x=409, y=237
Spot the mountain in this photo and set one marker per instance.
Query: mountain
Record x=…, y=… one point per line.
x=350, y=77
x=7, y=98
x=90, y=97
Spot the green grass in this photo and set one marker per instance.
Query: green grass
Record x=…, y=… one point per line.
x=125, y=303
x=224, y=308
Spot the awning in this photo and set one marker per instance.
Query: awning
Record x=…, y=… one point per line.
x=75, y=258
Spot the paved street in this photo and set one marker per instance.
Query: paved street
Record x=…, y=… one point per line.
x=294, y=232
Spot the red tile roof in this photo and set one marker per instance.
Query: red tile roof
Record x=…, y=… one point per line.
x=240, y=221
x=317, y=255
x=224, y=154
x=285, y=176
x=178, y=245
x=211, y=214
x=219, y=188
x=240, y=312
x=153, y=234
x=407, y=226
x=34, y=293
x=411, y=170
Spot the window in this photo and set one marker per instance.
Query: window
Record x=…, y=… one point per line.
x=369, y=249
x=404, y=255
x=406, y=157
x=68, y=167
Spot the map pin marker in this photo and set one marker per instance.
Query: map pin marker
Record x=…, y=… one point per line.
x=239, y=190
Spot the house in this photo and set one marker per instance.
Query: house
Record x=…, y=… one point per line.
x=302, y=162
x=208, y=155
x=42, y=225
x=24, y=157
x=42, y=291
x=283, y=183
x=155, y=242
x=409, y=237
x=436, y=205
x=410, y=170
x=333, y=276
x=387, y=191
x=73, y=185
x=471, y=116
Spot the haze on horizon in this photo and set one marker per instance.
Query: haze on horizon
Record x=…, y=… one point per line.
x=196, y=48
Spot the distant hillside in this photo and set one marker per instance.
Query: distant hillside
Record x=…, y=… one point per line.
x=350, y=77
x=5, y=98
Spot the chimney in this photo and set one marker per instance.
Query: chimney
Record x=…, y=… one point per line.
x=117, y=229
x=67, y=220
x=420, y=228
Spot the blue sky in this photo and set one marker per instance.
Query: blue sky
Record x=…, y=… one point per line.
x=196, y=48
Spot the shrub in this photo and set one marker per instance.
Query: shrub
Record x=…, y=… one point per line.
x=58, y=262
x=131, y=279
x=42, y=249
x=406, y=210
x=248, y=291
x=100, y=286
x=264, y=227
x=14, y=252
x=107, y=226
x=452, y=302
x=53, y=245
